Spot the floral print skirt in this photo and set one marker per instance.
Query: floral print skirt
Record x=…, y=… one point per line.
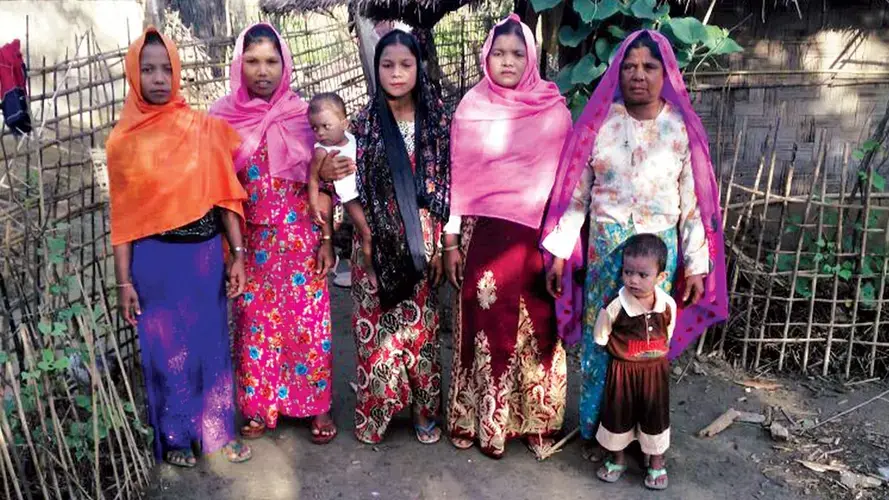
x=509, y=372
x=282, y=326
x=603, y=281
x=398, y=351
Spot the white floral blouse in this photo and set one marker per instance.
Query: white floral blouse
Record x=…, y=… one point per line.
x=640, y=173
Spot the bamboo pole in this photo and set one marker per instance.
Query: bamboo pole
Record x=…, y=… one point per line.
x=818, y=233
x=788, y=182
x=867, y=189
x=796, y=263
x=836, y=278
x=735, y=233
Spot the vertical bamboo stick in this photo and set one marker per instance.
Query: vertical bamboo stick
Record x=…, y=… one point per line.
x=818, y=233
x=749, y=214
x=880, y=298
x=5, y=447
x=839, y=250
x=797, y=257
x=26, y=430
x=867, y=189
x=788, y=182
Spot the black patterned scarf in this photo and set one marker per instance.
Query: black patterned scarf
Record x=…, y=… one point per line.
x=391, y=190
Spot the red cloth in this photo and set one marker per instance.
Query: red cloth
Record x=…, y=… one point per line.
x=13, y=87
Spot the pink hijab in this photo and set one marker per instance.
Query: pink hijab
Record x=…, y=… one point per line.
x=505, y=143
x=283, y=120
x=713, y=307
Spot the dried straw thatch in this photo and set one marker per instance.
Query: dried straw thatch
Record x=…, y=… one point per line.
x=420, y=14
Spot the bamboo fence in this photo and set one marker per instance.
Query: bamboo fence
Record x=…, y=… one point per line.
x=807, y=262
x=72, y=423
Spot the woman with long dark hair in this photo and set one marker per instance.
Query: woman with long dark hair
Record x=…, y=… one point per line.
x=403, y=183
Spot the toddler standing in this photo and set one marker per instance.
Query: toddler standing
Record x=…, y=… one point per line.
x=635, y=328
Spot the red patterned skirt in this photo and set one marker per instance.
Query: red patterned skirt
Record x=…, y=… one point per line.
x=509, y=370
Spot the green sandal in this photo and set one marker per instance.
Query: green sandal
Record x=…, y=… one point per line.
x=654, y=481
x=237, y=452
x=611, y=472
x=181, y=458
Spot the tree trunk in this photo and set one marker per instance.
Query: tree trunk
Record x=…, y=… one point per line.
x=237, y=13
x=367, y=43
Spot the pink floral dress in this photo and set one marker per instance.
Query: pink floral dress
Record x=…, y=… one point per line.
x=282, y=322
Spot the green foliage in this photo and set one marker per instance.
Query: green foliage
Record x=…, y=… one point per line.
x=606, y=23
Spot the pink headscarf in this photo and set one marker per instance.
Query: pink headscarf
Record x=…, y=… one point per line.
x=283, y=120
x=505, y=143
x=713, y=307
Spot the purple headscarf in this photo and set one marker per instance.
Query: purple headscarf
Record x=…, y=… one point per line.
x=713, y=306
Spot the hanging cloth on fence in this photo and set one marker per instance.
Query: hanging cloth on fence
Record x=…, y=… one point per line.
x=14, y=89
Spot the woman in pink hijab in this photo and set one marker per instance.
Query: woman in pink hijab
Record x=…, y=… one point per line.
x=509, y=375
x=638, y=161
x=282, y=321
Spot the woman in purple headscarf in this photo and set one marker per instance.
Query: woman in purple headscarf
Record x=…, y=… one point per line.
x=638, y=161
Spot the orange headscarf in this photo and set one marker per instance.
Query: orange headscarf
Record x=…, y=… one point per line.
x=168, y=164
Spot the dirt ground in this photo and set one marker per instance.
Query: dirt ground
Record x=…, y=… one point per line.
x=739, y=463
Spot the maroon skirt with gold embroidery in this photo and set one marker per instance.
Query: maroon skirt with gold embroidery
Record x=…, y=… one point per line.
x=509, y=375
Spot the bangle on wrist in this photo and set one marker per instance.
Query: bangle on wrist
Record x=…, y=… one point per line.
x=123, y=285
x=237, y=250
x=451, y=248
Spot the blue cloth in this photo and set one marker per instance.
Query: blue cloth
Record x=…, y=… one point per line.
x=603, y=281
x=183, y=336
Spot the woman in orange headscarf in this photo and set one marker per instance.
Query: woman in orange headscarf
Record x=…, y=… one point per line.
x=173, y=195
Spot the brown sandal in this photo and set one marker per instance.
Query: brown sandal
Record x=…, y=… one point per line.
x=253, y=431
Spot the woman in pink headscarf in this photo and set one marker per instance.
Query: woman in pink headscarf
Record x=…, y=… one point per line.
x=638, y=161
x=509, y=375
x=282, y=321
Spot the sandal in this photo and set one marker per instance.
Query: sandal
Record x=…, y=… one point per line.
x=611, y=472
x=462, y=443
x=251, y=431
x=657, y=479
x=237, y=452
x=323, y=434
x=428, y=434
x=181, y=458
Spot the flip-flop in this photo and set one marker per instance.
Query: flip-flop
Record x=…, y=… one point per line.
x=237, y=452
x=180, y=458
x=253, y=431
x=318, y=432
x=426, y=433
x=611, y=472
x=652, y=477
x=462, y=443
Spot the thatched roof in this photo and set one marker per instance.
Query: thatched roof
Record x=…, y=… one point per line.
x=419, y=13
x=285, y=6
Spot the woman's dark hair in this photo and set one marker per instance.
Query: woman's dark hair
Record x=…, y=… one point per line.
x=154, y=38
x=647, y=245
x=644, y=41
x=259, y=33
x=398, y=37
x=509, y=28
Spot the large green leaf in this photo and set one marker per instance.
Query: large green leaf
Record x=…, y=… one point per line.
x=570, y=37
x=604, y=48
x=542, y=5
x=683, y=57
x=586, y=70
x=577, y=103
x=563, y=79
x=727, y=46
x=648, y=9
x=590, y=10
x=617, y=32
x=687, y=30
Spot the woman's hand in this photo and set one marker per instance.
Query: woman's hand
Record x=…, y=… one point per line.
x=554, y=277
x=694, y=289
x=237, y=276
x=453, y=266
x=325, y=259
x=436, y=270
x=335, y=167
x=128, y=300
